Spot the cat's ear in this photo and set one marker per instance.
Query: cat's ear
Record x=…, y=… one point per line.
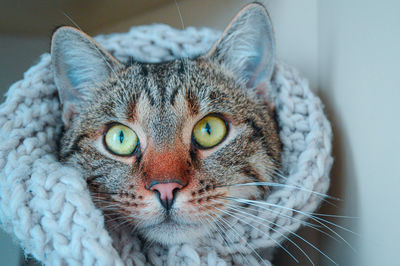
x=247, y=47
x=79, y=65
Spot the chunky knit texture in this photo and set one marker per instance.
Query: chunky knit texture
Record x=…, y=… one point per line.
x=47, y=206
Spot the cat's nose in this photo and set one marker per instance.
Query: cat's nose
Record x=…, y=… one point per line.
x=166, y=192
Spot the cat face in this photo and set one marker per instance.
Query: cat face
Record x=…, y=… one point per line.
x=162, y=146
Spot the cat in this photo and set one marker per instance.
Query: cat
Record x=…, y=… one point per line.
x=163, y=146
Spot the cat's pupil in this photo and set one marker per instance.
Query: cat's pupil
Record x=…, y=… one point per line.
x=208, y=128
x=121, y=136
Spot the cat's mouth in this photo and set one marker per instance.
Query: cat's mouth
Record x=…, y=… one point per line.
x=171, y=230
x=172, y=221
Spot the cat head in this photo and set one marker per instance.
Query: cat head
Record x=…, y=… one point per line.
x=164, y=146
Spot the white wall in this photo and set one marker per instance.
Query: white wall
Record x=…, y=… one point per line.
x=359, y=59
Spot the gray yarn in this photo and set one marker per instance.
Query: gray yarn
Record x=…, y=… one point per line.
x=47, y=207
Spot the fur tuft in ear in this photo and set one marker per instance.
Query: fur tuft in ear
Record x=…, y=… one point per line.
x=247, y=46
x=79, y=65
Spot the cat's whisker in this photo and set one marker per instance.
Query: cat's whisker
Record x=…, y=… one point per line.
x=104, y=202
x=321, y=196
x=180, y=14
x=234, y=207
x=305, y=223
x=137, y=224
x=278, y=172
x=119, y=225
x=105, y=210
x=214, y=227
x=307, y=214
x=276, y=242
x=105, y=206
x=278, y=164
x=114, y=218
x=148, y=243
x=319, y=220
x=218, y=226
x=287, y=216
x=114, y=222
x=237, y=234
x=104, y=192
x=205, y=222
x=246, y=214
x=336, y=216
x=272, y=184
x=102, y=198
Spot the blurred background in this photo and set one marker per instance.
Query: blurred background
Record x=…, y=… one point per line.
x=349, y=51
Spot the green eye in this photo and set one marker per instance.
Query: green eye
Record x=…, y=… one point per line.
x=121, y=140
x=209, y=131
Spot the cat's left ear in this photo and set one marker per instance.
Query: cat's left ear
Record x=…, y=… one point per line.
x=80, y=66
x=247, y=47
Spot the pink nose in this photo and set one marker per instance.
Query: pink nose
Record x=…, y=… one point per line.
x=166, y=192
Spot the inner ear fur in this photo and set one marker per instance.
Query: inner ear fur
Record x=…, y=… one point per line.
x=247, y=47
x=79, y=65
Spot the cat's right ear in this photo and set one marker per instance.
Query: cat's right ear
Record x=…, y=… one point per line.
x=246, y=47
x=79, y=65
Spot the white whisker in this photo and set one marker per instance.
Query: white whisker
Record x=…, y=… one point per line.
x=216, y=222
x=180, y=14
x=245, y=215
x=272, y=184
x=233, y=207
x=322, y=196
x=276, y=242
x=313, y=226
x=240, y=237
x=307, y=214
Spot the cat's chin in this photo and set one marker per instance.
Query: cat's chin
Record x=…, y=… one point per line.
x=171, y=233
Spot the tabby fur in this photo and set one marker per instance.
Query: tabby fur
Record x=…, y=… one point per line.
x=162, y=102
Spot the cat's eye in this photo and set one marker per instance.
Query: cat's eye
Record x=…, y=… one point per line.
x=209, y=131
x=121, y=140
